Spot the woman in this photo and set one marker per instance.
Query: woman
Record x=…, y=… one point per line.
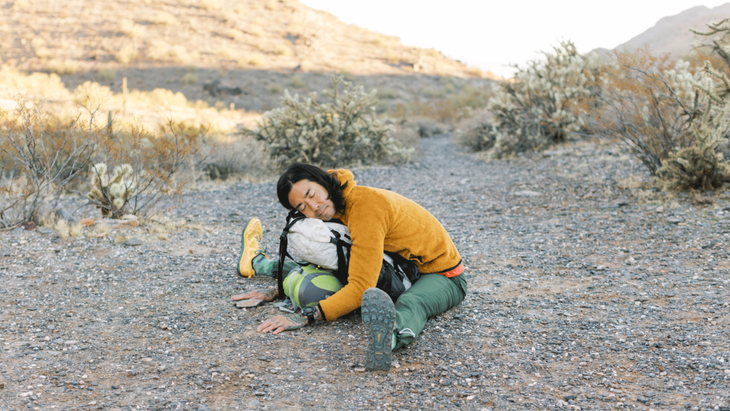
x=377, y=220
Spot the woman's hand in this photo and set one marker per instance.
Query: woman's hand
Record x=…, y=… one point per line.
x=266, y=294
x=283, y=322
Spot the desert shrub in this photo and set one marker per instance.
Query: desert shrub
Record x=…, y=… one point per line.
x=699, y=166
x=65, y=66
x=106, y=74
x=189, y=78
x=719, y=40
x=255, y=31
x=297, y=82
x=427, y=127
x=252, y=59
x=244, y=157
x=145, y=167
x=111, y=191
x=126, y=54
x=130, y=29
x=40, y=155
x=648, y=102
x=473, y=132
x=342, y=131
x=234, y=34
x=281, y=50
x=539, y=107
x=209, y=5
x=274, y=88
x=450, y=109
x=164, y=19
x=161, y=51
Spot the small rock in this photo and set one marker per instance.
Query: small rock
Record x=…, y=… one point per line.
x=17, y=231
x=30, y=226
x=45, y=230
x=70, y=342
x=163, y=327
x=87, y=222
x=61, y=213
x=675, y=220
x=129, y=217
x=527, y=193
x=133, y=242
x=259, y=393
x=2, y=385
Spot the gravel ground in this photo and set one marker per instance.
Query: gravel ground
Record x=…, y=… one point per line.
x=583, y=295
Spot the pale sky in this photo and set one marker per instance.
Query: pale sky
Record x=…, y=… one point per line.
x=492, y=35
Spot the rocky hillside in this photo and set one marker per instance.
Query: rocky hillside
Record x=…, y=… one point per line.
x=244, y=52
x=671, y=34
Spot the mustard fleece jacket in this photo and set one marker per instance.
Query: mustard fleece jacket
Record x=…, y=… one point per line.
x=383, y=220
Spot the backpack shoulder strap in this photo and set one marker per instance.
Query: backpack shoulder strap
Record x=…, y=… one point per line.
x=291, y=219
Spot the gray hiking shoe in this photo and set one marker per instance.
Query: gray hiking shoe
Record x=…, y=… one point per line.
x=378, y=313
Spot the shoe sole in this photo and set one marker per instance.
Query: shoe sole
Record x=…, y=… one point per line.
x=245, y=250
x=378, y=313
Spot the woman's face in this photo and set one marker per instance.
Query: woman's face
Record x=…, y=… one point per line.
x=312, y=200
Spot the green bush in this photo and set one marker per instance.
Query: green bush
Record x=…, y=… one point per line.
x=539, y=107
x=699, y=166
x=340, y=132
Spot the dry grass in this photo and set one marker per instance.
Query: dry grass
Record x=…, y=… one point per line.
x=126, y=54
x=282, y=50
x=189, y=78
x=209, y=5
x=65, y=66
x=106, y=74
x=62, y=228
x=101, y=229
x=76, y=229
x=130, y=29
x=252, y=59
x=297, y=82
x=158, y=50
x=255, y=31
x=234, y=34
x=179, y=54
x=226, y=52
x=163, y=18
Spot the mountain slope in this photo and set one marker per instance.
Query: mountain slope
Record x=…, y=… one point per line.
x=671, y=34
x=244, y=52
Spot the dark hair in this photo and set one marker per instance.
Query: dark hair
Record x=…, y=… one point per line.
x=300, y=171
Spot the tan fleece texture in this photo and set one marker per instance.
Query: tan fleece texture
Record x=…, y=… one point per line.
x=383, y=220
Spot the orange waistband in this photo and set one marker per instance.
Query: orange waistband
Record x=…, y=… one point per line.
x=454, y=271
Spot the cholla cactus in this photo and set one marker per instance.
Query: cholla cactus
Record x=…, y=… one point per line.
x=111, y=195
x=540, y=106
x=332, y=134
x=699, y=166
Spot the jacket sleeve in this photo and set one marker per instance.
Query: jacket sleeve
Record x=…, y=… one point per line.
x=366, y=258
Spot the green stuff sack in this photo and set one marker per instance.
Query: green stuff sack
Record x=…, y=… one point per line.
x=308, y=284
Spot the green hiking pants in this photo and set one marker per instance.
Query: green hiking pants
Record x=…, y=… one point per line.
x=431, y=295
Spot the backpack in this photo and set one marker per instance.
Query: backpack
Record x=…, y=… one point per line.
x=397, y=274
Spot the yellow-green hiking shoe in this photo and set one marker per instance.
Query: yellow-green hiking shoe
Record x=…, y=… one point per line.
x=378, y=314
x=250, y=239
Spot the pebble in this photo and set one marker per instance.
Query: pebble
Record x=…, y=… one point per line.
x=133, y=242
x=45, y=230
x=568, y=301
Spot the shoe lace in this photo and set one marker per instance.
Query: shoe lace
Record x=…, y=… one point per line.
x=258, y=251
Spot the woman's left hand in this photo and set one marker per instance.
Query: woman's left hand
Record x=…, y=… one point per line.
x=283, y=322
